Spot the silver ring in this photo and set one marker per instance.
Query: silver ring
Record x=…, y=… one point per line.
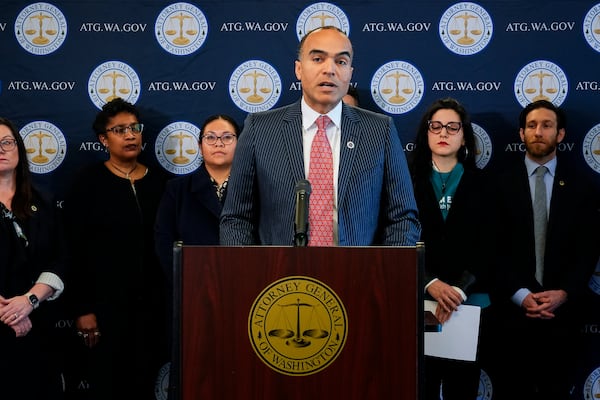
x=96, y=333
x=16, y=315
x=85, y=335
x=79, y=333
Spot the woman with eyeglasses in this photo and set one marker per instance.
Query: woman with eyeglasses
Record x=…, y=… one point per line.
x=191, y=204
x=32, y=264
x=452, y=201
x=117, y=286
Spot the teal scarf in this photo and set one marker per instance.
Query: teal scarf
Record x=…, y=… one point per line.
x=444, y=186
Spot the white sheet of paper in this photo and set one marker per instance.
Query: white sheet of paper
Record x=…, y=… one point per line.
x=459, y=336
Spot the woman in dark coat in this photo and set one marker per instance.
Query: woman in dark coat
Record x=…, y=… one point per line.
x=452, y=203
x=31, y=269
x=117, y=285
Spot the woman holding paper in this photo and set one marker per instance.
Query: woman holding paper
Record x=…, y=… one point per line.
x=451, y=198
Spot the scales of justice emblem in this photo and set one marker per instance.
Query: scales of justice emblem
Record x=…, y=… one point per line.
x=475, y=30
x=541, y=75
x=45, y=146
x=258, y=85
x=297, y=326
x=406, y=88
x=541, y=80
x=31, y=148
x=113, y=85
x=40, y=28
x=50, y=28
x=178, y=153
x=186, y=25
x=299, y=337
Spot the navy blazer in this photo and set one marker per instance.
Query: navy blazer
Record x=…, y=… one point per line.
x=571, y=247
x=376, y=204
x=189, y=211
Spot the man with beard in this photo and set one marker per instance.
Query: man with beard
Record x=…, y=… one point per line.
x=537, y=304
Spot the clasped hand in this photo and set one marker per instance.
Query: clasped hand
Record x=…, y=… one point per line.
x=543, y=304
x=14, y=312
x=447, y=297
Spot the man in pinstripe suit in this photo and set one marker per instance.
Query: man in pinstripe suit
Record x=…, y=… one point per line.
x=373, y=197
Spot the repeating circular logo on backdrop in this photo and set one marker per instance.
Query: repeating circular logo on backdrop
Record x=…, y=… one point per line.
x=298, y=326
x=161, y=386
x=541, y=80
x=176, y=148
x=591, y=148
x=397, y=87
x=591, y=27
x=591, y=388
x=483, y=146
x=318, y=15
x=45, y=145
x=485, y=386
x=181, y=29
x=41, y=28
x=113, y=79
x=255, y=86
x=466, y=28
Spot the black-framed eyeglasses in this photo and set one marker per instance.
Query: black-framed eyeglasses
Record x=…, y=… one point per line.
x=451, y=127
x=123, y=129
x=8, y=144
x=211, y=139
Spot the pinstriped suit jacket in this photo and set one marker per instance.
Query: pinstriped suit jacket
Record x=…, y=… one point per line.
x=376, y=204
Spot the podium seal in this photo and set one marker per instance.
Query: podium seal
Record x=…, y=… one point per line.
x=297, y=326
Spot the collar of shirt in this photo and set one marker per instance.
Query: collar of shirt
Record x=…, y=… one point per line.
x=548, y=178
x=532, y=165
x=309, y=131
x=309, y=116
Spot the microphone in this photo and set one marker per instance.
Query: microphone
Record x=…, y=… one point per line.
x=301, y=222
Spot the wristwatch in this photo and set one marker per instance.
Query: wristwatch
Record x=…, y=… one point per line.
x=33, y=300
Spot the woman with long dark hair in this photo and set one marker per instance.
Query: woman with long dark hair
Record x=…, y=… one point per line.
x=32, y=262
x=452, y=201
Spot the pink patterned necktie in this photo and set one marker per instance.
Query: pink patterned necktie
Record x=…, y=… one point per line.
x=320, y=175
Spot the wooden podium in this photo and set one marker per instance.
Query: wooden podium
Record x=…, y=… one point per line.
x=297, y=323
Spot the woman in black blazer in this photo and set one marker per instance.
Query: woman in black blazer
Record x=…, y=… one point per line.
x=191, y=205
x=32, y=264
x=451, y=198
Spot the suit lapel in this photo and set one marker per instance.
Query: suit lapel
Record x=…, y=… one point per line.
x=560, y=194
x=291, y=136
x=349, y=146
x=203, y=189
